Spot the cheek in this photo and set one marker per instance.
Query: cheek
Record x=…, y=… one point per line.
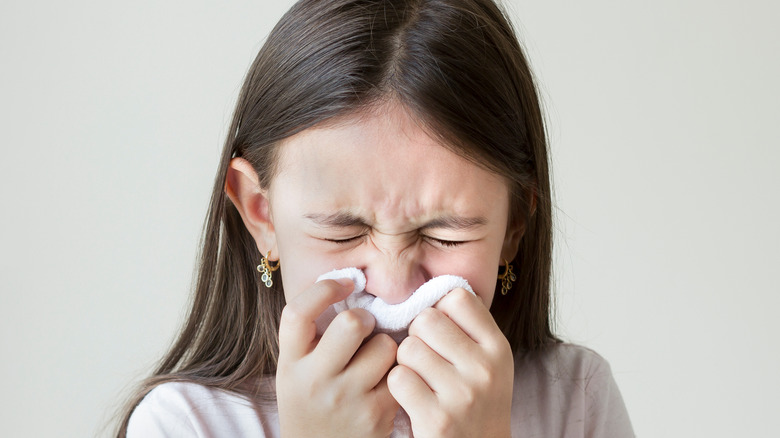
x=478, y=267
x=483, y=281
x=484, y=285
x=300, y=271
x=300, y=265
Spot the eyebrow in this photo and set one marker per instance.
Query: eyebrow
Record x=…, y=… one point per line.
x=337, y=220
x=346, y=220
x=455, y=222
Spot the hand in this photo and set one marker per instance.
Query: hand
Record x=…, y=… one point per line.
x=332, y=386
x=455, y=371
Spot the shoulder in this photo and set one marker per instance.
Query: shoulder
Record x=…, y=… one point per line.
x=191, y=409
x=568, y=390
x=568, y=361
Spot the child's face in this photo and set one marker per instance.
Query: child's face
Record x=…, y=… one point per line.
x=379, y=194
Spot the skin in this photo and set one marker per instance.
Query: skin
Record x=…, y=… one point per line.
x=376, y=192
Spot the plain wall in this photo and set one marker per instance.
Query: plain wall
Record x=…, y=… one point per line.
x=663, y=126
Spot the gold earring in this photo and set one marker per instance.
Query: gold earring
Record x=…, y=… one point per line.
x=266, y=269
x=507, y=278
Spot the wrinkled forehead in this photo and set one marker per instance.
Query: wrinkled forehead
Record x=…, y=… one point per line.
x=388, y=127
x=385, y=164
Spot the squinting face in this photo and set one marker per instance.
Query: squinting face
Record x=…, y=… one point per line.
x=378, y=193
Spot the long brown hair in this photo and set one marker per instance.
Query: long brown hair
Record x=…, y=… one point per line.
x=458, y=66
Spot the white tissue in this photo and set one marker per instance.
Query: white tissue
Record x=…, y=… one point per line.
x=393, y=319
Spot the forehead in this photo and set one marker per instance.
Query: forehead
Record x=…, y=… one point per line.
x=384, y=166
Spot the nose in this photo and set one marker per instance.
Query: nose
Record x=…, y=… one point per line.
x=394, y=277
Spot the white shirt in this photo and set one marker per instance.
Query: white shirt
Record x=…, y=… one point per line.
x=564, y=391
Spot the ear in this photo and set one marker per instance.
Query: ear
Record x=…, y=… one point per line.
x=243, y=188
x=515, y=231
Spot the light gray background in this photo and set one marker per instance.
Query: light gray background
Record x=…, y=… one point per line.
x=664, y=137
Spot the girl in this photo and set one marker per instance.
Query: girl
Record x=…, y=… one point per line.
x=403, y=138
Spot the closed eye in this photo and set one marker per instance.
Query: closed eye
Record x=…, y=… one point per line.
x=447, y=243
x=347, y=240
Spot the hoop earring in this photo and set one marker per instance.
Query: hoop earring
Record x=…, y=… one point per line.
x=507, y=278
x=266, y=269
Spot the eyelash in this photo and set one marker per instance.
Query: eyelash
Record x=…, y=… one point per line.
x=447, y=243
x=344, y=241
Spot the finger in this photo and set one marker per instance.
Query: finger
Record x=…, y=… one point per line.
x=386, y=406
x=442, y=335
x=411, y=392
x=433, y=369
x=469, y=313
x=342, y=339
x=372, y=361
x=297, y=330
x=382, y=393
